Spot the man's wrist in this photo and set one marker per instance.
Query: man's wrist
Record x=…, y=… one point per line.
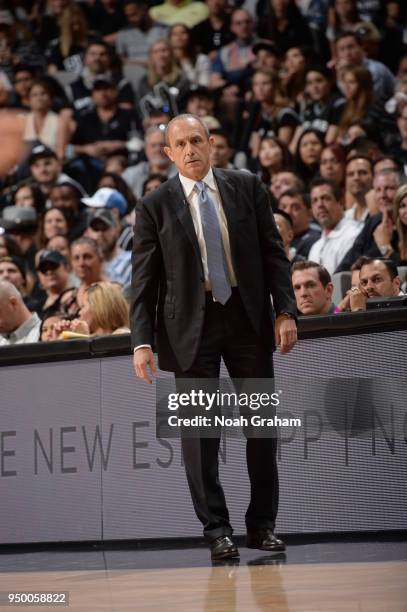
x=285, y=315
x=140, y=346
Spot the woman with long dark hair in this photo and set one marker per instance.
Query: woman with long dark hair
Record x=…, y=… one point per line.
x=282, y=22
x=274, y=157
x=308, y=154
x=268, y=113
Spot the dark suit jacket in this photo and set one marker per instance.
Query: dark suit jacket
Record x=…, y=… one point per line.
x=168, y=290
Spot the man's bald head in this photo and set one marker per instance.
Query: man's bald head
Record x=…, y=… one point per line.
x=188, y=117
x=13, y=311
x=8, y=290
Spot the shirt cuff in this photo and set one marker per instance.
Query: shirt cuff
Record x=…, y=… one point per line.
x=142, y=346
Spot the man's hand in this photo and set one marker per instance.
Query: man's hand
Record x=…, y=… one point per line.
x=358, y=299
x=286, y=333
x=142, y=358
x=384, y=231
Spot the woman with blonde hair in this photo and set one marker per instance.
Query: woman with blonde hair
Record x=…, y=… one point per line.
x=66, y=52
x=104, y=312
x=400, y=218
x=162, y=67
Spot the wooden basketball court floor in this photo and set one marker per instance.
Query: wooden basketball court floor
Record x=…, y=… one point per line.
x=319, y=577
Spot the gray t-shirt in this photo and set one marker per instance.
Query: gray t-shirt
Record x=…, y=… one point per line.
x=132, y=43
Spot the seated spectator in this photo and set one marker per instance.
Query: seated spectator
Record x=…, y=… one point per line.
x=53, y=273
x=87, y=262
x=284, y=225
x=359, y=182
x=332, y=164
x=283, y=23
x=349, y=52
x=188, y=12
x=29, y=196
x=104, y=312
x=274, y=157
x=67, y=198
x=268, y=113
x=8, y=246
x=114, y=181
x=13, y=269
x=98, y=62
x=199, y=101
x=61, y=244
x=324, y=108
x=106, y=17
x=377, y=278
x=152, y=182
x=283, y=181
x=46, y=170
x=313, y=288
x=22, y=225
x=67, y=50
x=266, y=56
x=221, y=151
x=399, y=151
x=297, y=205
x=162, y=67
x=157, y=162
x=373, y=240
x=308, y=155
x=195, y=66
x=338, y=233
x=359, y=108
x=214, y=32
x=232, y=62
x=106, y=127
x=24, y=77
x=296, y=62
x=53, y=223
x=48, y=330
x=344, y=305
x=42, y=123
x=17, y=324
x=104, y=228
x=343, y=15
x=135, y=38
x=400, y=220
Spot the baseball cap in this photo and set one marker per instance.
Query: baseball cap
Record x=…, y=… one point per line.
x=39, y=151
x=264, y=43
x=17, y=218
x=102, y=81
x=103, y=215
x=55, y=258
x=17, y=261
x=106, y=197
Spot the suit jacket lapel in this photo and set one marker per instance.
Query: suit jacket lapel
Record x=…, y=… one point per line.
x=180, y=205
x=228, y=195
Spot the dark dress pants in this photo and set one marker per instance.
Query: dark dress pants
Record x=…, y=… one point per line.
x=228, y=333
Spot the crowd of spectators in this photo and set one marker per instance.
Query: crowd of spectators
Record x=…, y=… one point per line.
x=311, y=95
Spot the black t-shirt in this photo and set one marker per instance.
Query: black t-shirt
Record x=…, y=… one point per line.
x=73, y=62
x=286, y=117
x=91, y=128
x=103, y=22
x=320, y=115
x=209, y=39
x=82, y=96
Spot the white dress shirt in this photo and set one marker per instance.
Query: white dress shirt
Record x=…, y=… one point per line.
x=191, y=193
x=332, y=247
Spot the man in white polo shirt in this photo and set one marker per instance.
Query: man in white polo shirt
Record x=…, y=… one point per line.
x=17, y=324
x=338, y=233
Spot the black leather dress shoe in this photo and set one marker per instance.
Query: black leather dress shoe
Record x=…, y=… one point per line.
x=264, y=539
x=223, y=548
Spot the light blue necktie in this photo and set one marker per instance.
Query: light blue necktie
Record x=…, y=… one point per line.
x=218, y=273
